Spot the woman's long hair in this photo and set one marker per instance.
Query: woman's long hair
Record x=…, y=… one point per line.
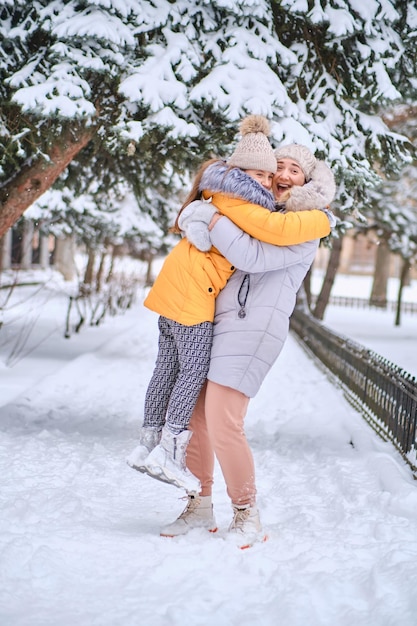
x=195, y=192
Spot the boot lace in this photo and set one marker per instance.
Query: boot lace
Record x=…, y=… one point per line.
x=190, y=508
x=239, y=519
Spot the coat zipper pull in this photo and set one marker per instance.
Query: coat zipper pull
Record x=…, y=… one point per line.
x=242, y=296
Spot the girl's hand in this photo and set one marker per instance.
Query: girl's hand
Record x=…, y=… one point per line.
x=214, y=219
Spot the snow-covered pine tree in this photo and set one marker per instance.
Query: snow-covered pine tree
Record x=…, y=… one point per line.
x=354, y=59
x=392, y=218
x=173, y=79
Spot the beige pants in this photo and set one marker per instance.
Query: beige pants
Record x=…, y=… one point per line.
x=218, y=429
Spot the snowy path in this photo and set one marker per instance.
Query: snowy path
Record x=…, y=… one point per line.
x=79, y=529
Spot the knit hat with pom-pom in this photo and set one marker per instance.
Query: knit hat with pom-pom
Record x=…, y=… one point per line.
x=299, y=153
x=254, y=152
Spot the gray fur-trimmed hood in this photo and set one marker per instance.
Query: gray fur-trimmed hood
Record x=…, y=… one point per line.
x=316, y=194
x=220, y=178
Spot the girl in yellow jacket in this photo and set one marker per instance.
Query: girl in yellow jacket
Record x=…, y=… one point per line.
x=185, y=290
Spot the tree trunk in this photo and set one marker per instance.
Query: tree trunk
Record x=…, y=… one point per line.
x=44, y=251
x=111, y=268
x=33, y=180
x=64, y=260
x=405, y=271
x=331, y=271
x=27, y=244
x=307, y=288
x=89, y=270
x=149, y=280
x=100, y=272
x=116, y=252
x=6, y=251
x=378, y=295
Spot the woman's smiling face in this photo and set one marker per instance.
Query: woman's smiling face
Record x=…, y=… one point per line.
x=289, y=174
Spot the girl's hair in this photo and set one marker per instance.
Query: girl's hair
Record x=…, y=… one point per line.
x=195, y=192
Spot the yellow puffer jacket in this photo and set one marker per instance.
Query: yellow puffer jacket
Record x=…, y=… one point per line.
x=186, y=288
x=280, y=229
x=190, y=280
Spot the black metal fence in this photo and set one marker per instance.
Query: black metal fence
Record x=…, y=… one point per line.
x=364, y=303
x=384, y=393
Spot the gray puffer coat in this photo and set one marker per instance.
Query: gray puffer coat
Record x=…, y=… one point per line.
x=253, y=310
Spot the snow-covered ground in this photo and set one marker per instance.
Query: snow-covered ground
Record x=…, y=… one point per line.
x=79, y=540
x=375, y=328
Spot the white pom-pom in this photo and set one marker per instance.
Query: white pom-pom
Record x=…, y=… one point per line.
x=254, y=124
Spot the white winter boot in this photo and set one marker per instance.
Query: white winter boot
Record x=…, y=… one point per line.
x=246, y=526
x=149, y=438
x=166, y=462
x=197, y=514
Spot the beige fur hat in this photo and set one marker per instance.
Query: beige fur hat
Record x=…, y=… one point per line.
x=318, y=193
x=254, y=152
x=304, y=157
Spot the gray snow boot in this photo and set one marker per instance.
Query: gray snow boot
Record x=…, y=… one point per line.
x=149, y=438
x=166, y=462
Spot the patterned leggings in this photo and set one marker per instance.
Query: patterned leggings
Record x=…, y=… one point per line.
x=180, y=371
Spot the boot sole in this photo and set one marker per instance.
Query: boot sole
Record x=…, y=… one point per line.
x=163, y=478
x=138, y=468
x=210, y=530
x=250, y=545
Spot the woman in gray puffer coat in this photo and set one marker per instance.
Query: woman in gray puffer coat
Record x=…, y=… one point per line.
x=250, y=327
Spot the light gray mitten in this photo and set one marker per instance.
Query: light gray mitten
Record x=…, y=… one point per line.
x=194, y=221
x=197, y=211
x=198, y=234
